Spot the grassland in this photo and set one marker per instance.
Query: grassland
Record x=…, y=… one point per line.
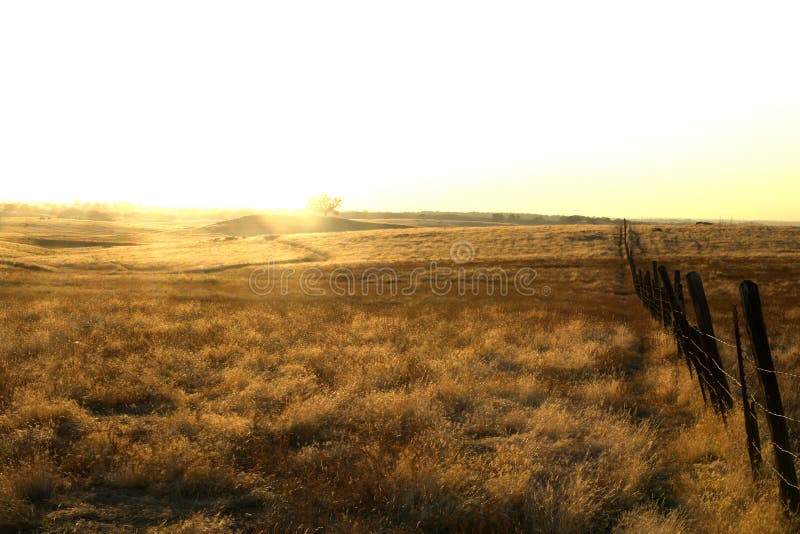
x=146, y=387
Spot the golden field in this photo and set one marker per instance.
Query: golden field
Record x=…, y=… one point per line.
x=145, y=387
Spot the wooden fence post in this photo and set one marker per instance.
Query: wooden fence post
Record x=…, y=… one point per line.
x=631, y=263
x=669, y=306
x=625, y=233
x=679, y=293
x=653, y=296
x=658, y=308
x=648, y=291
x=678, y=306
x=748, y=406
x=759, y=342
x=642, y=286
x=662, y=307
x=708, y=341
x=702, y=365
x=681, y=330
x=666, y=311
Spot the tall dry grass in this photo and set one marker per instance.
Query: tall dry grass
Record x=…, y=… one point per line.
x=184, y=403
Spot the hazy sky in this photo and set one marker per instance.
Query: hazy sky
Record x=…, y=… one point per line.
x=685, y=109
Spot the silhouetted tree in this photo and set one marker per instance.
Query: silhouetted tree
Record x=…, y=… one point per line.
x=324, y=204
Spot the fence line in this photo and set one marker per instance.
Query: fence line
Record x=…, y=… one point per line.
x=698, y=345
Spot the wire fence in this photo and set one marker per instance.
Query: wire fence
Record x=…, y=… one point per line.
x=663, y=296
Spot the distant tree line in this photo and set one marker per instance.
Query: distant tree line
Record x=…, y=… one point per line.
x=511, y=218
x=322, y=204
x=502, y=217
x=96, y=211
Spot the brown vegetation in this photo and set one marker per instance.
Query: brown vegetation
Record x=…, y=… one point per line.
x=168, y=400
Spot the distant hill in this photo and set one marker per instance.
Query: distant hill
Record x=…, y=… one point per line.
x=474, y=218
x=291, y=224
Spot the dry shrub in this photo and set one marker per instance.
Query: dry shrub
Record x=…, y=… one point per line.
x=393, y=417
x=65, y=417
x=308, y=421
x=35, y=481
x=25, y=486
x=649, y=520
x=173, y=466
x=198, y=523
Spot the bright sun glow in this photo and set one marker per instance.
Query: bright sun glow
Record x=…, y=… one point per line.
x=600, y=108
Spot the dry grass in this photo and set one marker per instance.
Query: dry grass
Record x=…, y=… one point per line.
x=183, y=403
x=198, y=249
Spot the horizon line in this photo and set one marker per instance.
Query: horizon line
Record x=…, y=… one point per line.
x=162, y=207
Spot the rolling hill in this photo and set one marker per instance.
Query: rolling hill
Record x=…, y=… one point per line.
x=251, y=225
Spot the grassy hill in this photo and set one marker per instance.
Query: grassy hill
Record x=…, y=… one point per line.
x=251, y=225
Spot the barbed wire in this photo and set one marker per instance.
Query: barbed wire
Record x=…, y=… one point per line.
x=652, y=297
x=652, y=303
x=712, y=360
x=745, y=353
x=790, y=453
x=772, y=467
x=716, y=384
x=784, y=479
x=782, y=416
x=734, y=380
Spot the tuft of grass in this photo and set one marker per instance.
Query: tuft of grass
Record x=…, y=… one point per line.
x=34, y=481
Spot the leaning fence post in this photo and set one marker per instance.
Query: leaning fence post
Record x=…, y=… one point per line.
x=631, y=262
x=681, y=304
x=641, y=284
x=708, y=341
x=658, y=304
x=702, y=365
x=681, y=330
x=661, y=304
x=748, y=406
x=679, y=292
x=670, y=310
x=666, y=315
x=631, y=266
x=653, y=293
x=625, y=234
x=757, y=331
x=678, y=306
